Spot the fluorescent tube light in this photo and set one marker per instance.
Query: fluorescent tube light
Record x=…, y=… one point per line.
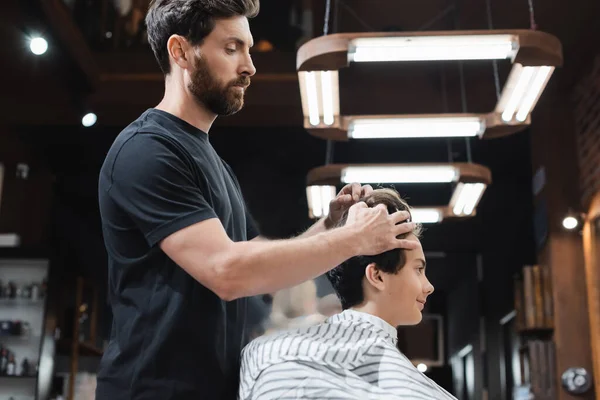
x=538, y=83
x=313, y=101
x=466, y=197
x=319, y=198
x=327, y=93
x=426, y=215
x=400, y=174
x=9, y=240
x=319, y=91
x=522, y=91
x=415, y=127
x=430, y=48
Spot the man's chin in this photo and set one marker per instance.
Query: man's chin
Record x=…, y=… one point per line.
x=233, y=110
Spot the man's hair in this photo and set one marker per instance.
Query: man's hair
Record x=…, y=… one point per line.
x=192, y=19
x=347, y=278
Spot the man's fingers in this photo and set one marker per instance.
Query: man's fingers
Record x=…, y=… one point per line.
x=400, y=216
x=360, y=204
x=346, y=198
x=356, y=191
x=405, y=227
x=347, y=189
x=407, y=244
x=366, y=190
x=381, y=207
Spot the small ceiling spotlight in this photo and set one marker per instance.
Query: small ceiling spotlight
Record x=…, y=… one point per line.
x=38, y=45
x=89, y=119
x=572, y=220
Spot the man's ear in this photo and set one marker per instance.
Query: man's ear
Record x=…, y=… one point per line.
x=179, y=51
x=374, y=276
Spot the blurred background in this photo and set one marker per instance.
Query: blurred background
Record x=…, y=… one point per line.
x=66, y=97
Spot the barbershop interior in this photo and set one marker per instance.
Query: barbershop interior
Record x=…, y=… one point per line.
x=484, y=115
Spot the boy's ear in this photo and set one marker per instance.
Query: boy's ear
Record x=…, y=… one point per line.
x=374, y=276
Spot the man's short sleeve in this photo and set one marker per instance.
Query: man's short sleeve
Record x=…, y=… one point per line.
x=251, y=226
x=153, y=182
x=252, y=230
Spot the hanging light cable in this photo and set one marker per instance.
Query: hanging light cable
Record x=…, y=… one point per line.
x=494, y=62
x=463, y=94
x=532, y=24
x=329, y=145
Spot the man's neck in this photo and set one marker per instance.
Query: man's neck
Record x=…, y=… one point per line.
x=183, y=105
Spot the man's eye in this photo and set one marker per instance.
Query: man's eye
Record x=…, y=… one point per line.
x=230, y=51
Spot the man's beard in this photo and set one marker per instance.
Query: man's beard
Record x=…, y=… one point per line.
x=219, y=99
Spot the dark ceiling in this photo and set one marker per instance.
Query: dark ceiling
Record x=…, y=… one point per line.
x=44, y=97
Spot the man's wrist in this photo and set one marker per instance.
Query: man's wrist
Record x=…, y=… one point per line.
x=328, y=222
x=345, y=241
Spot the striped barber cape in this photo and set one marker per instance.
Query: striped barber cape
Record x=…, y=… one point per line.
x=352, y=355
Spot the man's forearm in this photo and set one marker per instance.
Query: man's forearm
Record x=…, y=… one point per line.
x=318, y=227
x=258, y=267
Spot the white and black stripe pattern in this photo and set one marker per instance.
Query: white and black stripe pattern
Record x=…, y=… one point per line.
x=352, y=355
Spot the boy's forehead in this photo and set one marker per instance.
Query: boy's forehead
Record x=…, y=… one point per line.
x=415, y=253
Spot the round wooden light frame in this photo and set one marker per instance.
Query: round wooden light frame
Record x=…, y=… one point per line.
x=330, y=53
x=467, y=173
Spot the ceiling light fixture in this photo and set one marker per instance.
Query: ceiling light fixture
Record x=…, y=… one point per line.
x=320, y=89
x=522, y=91
x=427, y=215
x=399, y=174
x=89, y=119
x=38, y=45
x=534, y=55
x=471, y=182
x=433, y=48
x=466, y=197
x=415, y=127
x=319, y=197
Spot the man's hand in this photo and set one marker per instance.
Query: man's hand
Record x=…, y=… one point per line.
x=377, y=231
x=346, y=198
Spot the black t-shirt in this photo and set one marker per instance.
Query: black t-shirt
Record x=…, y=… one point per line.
x=172, y=338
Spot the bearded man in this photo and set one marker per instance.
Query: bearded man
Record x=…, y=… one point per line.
x=185, y=259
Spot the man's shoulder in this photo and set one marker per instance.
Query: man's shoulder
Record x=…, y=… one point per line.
x=146, y=127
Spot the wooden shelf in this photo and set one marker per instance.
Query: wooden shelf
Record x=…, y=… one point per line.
x=535, y=329
x=20, y=302
x=17, y=377
x=541, y=333
x=20, y=339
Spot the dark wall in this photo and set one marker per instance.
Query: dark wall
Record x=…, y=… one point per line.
x=26, y=198
x=504, y=225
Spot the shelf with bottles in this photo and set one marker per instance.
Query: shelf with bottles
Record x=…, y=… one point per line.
x=23, y=292
x=16, y=397
x=13, y=293
x=17, y=331
x=13, y=364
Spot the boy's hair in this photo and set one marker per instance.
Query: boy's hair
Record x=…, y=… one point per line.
x=347, y=278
